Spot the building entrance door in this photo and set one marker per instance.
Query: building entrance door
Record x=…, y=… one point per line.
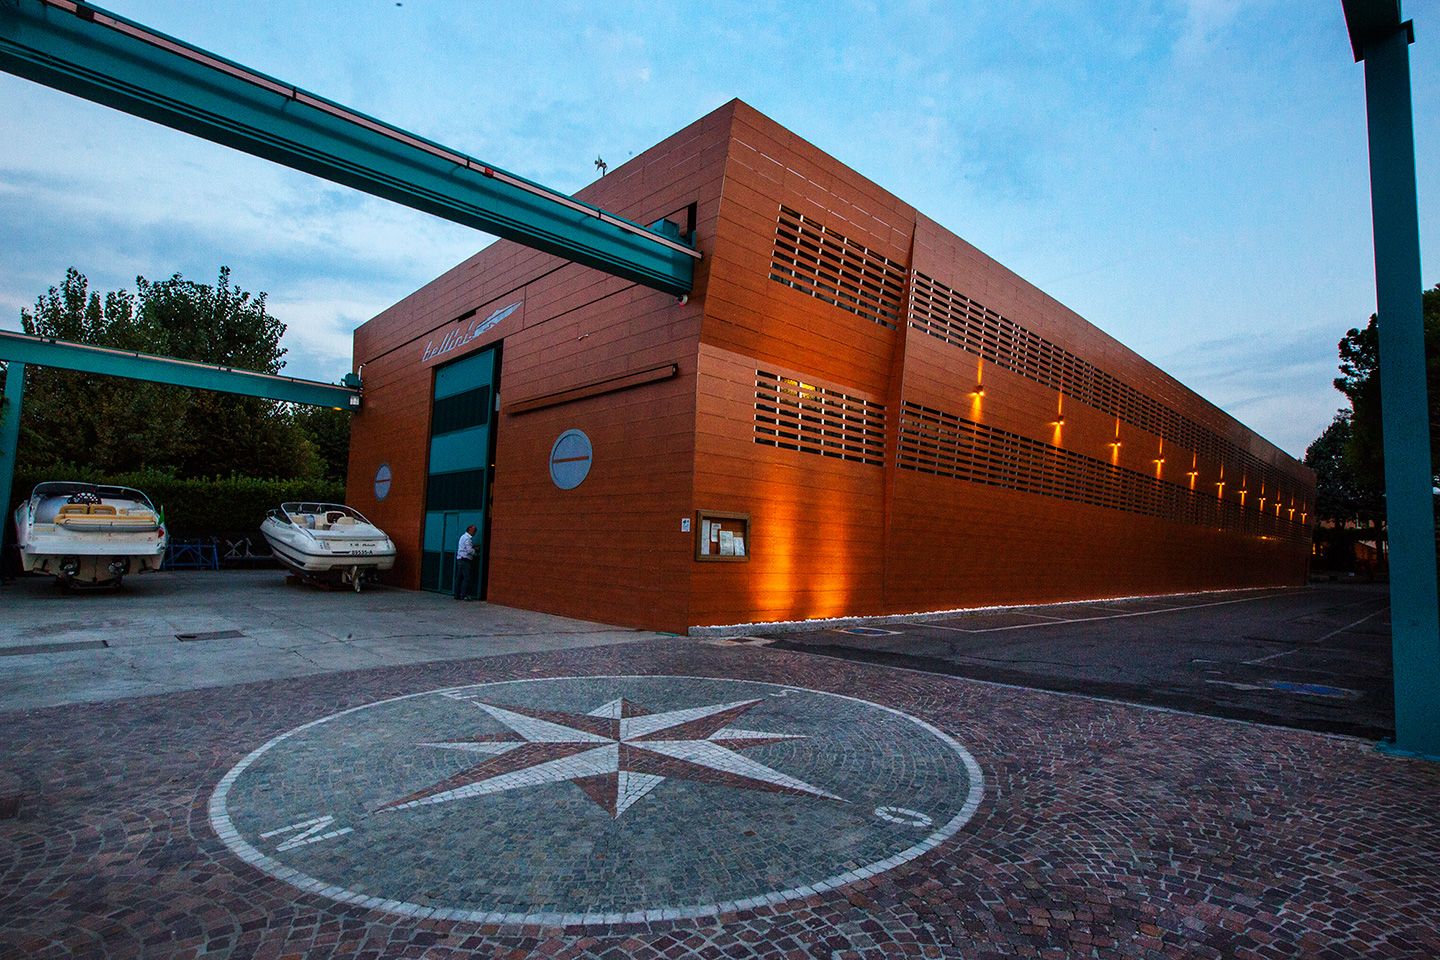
x=457, y=490
x=452, y=529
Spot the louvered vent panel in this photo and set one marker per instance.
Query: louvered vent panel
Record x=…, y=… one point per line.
x=831, y=267
x=946, y=445
x=948, y=315
x=798, y=416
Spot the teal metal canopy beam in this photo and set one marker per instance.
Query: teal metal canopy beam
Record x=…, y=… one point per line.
x=92, y=53
x=1381, y=39
x=22, y=348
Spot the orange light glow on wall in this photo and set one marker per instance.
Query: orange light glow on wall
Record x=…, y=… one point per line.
x=828, y=585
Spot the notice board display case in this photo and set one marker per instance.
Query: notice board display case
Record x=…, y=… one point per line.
x=722, y=537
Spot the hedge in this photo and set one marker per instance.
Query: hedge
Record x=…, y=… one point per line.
x=197, y=508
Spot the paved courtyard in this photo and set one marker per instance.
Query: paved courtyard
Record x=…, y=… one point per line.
x=168, y=632
x=663, y=797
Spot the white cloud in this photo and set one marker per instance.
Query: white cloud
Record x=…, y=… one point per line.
x=1184, y=174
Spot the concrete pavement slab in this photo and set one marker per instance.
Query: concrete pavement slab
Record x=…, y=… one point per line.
x=285, y=630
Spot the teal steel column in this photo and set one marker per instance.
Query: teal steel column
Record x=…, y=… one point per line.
x=9, y=446
x=1409, y=501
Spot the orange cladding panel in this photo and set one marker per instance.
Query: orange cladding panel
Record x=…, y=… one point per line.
x=907, y=424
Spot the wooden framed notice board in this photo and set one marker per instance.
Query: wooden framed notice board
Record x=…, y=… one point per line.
x=722, y=537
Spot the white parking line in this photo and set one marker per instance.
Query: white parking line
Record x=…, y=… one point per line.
x=1271, y=656
x=1120, y=616
x=1047, y=622
x=1349, y=625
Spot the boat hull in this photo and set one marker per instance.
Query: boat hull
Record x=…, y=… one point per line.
x=85, y=549
x=338, y=559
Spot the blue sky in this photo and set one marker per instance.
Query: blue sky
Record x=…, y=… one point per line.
x=1190, y=176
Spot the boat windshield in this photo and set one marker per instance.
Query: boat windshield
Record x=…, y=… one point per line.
x=68, y=488
x=51, y=497
x=322, y=515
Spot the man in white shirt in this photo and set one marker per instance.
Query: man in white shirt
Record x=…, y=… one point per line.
x=465, y=564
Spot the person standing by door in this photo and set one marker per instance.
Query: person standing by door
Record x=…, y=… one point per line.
x=465, y=564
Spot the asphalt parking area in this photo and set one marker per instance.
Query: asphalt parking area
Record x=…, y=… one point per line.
x=1314, y=658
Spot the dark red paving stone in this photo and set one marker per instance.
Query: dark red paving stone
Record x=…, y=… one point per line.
x=1106, y=830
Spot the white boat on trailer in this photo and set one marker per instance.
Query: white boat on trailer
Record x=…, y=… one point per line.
x=328, y=542
x=88, y=534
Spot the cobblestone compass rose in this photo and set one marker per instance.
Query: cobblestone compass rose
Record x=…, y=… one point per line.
x=595, y=800
x=616, y=753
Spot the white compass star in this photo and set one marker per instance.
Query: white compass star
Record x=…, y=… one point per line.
x=616, y=753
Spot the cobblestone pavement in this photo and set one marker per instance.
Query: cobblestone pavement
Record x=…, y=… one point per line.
x=799, y=806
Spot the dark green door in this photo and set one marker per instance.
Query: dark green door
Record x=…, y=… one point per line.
x=457, y=489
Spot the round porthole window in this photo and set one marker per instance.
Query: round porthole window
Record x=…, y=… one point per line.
x=382, y=482
x=570, y=459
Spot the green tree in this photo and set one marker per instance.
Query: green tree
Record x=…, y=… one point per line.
x=1340, y=495
x=328, y=432
x=72, y=417
x=116, y=425
x=1359, y=380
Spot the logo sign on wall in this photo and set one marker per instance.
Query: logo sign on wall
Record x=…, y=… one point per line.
x=382, y=482
x=461, y=335
x=570, y=459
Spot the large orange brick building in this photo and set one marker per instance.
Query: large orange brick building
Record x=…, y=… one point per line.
x=856, y=412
